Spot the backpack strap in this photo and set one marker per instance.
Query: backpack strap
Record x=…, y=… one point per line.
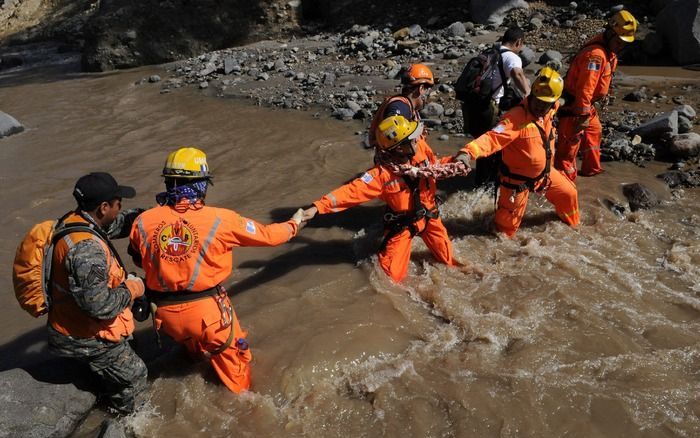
x=501, y=70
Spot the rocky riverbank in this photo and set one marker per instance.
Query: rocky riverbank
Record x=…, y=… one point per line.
x=348, y=74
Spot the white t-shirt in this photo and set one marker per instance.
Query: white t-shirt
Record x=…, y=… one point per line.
x=510, y=61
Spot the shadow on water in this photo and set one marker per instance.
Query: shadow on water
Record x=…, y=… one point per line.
x=315, y=252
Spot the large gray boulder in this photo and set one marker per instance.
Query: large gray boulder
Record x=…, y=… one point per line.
x=33, y=409
x=493, y=11
x=679, y=24
x=9, y=125
x=661, y=126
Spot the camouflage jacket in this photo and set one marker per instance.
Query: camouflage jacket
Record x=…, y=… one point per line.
x=88, y=277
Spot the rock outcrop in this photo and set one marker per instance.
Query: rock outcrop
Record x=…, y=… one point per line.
x=679, y=24
x=33, y=409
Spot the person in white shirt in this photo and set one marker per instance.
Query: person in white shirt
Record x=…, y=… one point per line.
x=512, y=43
x=479, y=117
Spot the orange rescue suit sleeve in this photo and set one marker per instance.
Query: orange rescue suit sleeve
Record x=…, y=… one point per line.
x=365, y=188
x=241, y=231
x=494, y=140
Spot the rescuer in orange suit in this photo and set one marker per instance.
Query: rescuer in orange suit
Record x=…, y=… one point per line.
x=416, y=82
x=185, y=249
x=411, y=205
x=588, y=82
x=526, y=136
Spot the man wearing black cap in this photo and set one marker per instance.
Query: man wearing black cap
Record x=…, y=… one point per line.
x=90, y=315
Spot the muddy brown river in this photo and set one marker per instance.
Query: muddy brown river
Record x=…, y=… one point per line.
x=589, y=333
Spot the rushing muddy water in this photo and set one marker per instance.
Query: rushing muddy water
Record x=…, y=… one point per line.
x=582, y=334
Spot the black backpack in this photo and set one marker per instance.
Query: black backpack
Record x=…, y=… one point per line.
x=477, y=78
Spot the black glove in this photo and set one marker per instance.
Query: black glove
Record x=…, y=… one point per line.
x=141, y=308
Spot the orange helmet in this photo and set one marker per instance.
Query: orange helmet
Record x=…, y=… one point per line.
x=417, y=74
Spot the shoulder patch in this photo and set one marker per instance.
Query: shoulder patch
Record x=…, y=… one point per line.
x=499, y=129
x=367, y=178
x=593, y=66
x=250, y=226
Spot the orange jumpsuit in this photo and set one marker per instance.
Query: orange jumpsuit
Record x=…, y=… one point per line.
x=188, y=250
x=587, y=81
x=378, y=182
x=524, y=155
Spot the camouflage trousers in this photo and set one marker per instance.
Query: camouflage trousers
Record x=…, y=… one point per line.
x=121, y=372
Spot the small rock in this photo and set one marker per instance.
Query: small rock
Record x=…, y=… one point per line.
x=343, y=114
x=414, y=30
x=686, y=111
x=262, y=77
x=9, y=125
x=685, y=145
x=536, y=23
x=153, y=78
x=639, y=196
x=527, y=55
x=203, y=85
x=408, y=44
x=635, y=96
x=353, y=106
x=401, y=34
x=433, y=110
x=684, y=125
x=444, y=137
x=456, y=29
x=549, y=55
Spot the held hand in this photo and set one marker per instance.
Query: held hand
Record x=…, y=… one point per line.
x=309, y=213
x=298, y=216
x=465, y=158
x=135, y=286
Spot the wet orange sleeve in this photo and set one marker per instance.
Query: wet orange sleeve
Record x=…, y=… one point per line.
x=365, y=188
x=590, y=66
x=237, y=230
x=494, y=140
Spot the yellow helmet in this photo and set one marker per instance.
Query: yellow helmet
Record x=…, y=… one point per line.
x=186, y=162
x=548, y=85
x=624, y=25
x=394, y=130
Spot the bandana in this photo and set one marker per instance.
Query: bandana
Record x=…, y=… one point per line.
x=192, y=192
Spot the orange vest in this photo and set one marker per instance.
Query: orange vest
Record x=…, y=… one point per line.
x=64, y=314
x=379, y=182
x=379, y=116
x=589, y=76
x=190, y=249
x=518, y=136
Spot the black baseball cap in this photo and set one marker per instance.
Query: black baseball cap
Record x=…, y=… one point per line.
x=95, y=188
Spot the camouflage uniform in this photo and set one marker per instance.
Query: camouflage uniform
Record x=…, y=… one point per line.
x=121, y=372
